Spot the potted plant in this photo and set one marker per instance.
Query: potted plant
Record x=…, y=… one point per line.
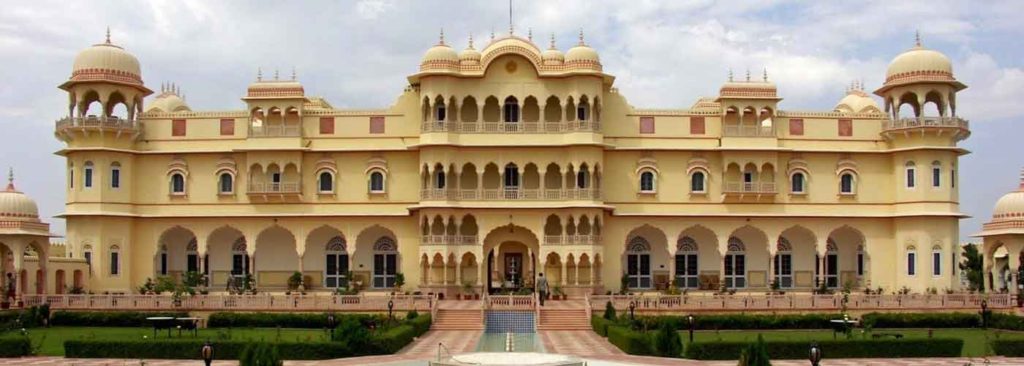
x=399, y=281
x=294, y=282
x=557, y=294
x=467, y=291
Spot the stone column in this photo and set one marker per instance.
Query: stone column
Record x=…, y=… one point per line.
x=458, y=272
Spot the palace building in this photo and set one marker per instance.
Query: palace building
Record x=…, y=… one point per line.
x=499, y=163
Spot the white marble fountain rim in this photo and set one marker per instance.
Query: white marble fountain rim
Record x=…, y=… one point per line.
x=516, y=358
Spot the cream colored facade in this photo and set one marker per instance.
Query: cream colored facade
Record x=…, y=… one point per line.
x=497, y=164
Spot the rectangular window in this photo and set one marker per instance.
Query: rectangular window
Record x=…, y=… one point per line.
x=697, y=126
x=377, y=125
x=796, y=127
x=88, y=178
x=936, y=177
x=227, y=127
x=936, y=263
x=860, y=263
x=115, y=178
x=114, y=263
x=163, y=264
x=845, y=127
x=911, y=175
x=326, y=125
x=952, y=178
x=192, y=263
x=646, y=124
x=911, y=264
x=71, y=178
x=178, y=127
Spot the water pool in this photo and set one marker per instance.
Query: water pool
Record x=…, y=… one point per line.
x=522, y=342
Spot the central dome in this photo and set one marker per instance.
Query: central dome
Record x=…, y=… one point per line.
x=106, y=62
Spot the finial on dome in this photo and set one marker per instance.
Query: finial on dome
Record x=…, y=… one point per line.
x=730, y=74
x=108, y=34
x=529, y=34
x=441, y=39
x=259, y=74
x=10, y=179
x=765, y=76
x=275, y=75
x=917, y=38
x=492, y=34
x=163, y=87
x=1021, y=179
x=582, y=43
x=748, y=75
x=293, y=73
x=470, y=41
x=552, y=46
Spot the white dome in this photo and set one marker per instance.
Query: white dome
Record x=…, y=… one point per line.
x=857, y=101
x=168, y=102
x=919, y=59
x=1011, y=205
x=582, y=54
x=16, y=206
x=440, y=56
x=469, y=56
x=106, y=62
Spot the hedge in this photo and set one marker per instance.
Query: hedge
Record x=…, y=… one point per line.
x=873, y=348
x=600, y=325
x=15, y=346
x=107, y=318
x=631, y=341
x=921, y=320
x=1007, y=347
x=1005, y=321
x=267, y=320
x=740, y=321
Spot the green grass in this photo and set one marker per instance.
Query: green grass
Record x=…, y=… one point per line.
x=975, y=340
x=50, y=341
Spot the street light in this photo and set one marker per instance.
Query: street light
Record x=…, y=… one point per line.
x=690, y=319
x=815, y=354
x=632, y=306
x=207, y=353
x=391, y=305
x=331, y=324
x=984, y=314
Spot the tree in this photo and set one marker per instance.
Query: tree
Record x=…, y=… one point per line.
x=972, y=265
x=609, y=311
x=756, y=354
x=667, y=342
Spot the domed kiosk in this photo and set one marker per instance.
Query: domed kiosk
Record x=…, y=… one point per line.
x=24, y=243
x=1003, y=241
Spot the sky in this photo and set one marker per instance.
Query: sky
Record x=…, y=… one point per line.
x=664, y=54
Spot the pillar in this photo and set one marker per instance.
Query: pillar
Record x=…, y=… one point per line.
x=576, y=272
x=444, y=272
x=458, y=272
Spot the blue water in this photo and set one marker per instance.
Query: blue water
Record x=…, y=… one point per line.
x=509, y=321
x=522, y=342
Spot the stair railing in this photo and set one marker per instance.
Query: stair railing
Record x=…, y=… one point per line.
x=441, y=346
x=536, y=310
x=586, y=305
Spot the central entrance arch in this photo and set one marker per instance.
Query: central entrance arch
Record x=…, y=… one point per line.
x=511, y=258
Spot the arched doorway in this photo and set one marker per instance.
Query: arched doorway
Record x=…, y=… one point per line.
x=511, y=253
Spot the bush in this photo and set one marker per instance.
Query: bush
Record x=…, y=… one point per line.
x=921, y=320
x=15, y=346
x=412, y=314
x=667, y=342
x=739, y=321
x=631, y=341
x=600, y=325
x=283, y=320
x=888, y=348
x=755, y=354
x=609, y=311
x=107, y=318
x=188, y=349
x=1007, y=347
x=1005, y=321
x=260, y=354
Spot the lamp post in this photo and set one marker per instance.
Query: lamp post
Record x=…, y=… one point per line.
x=815, y=354
x=984, y=314
x=632, y=306
x=332, y=322
x=690, y=319
x=391, y=305
x=207, y=353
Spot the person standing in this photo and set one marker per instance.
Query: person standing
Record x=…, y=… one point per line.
x=542, y=287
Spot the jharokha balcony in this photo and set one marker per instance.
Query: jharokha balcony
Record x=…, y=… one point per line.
x=272, y=189
x=954, y=126
x=511, y=127
x=275, y=131
x=748, y=131
x=510, y=194
x=741, y=188
x=66, y=125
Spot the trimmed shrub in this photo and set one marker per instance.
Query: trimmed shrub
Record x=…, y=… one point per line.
x=631, y=341
x=739, y=321
x=15, y=346
x=600, y=325
x=260, y=354
x=609, y=311
x=107, y=318
x=1008, y=347
x=188, y=349
x=1006, y=321
x=888, y=348
x=667, y=342
x=921, y=320
x=267, y=320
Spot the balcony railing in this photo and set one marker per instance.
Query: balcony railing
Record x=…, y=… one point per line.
x=275, y=131
x=274, y=188
x=572, y=239
x=262, y=302
x=449, y=240
x=97, y=122
x=511, y=127
x=510, y=194
x=748, y=131
x=750, y=187
x=674, y=303
x=902, y=123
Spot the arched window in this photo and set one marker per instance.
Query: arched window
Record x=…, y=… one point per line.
x=439, y=179
x=582, y=110
x=936, y=174
x=797, y=183
x=163, y=260
x=647, y=183
x=87, y=175
x=441, y=112
x=115, y=175
x=860, y=261
x=239, y=258
x=377, y=182
x=583, y=178
x=511, y=176
x=847, y=183
x=192, y=256
x=326, y=182
x=115, y=260
x=511, y=110
x=735, y=264
x=831, y=264
x=638, y=263
x=385, y=262
x=177, y=184
x=87, y=255
x=226, y=183
x=936, y=261
x=784, y=263
x=911, y=261
x=686, y=263
x=336, y=271
x=911, y=175
x=697, y=182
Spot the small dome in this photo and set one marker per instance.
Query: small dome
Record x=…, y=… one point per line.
x=919, y=64
x=108, y=62
x=469, y=56
x=439, y=56
x=1011, y=205
x=553, y=56
x=857, y=101
x=168, y=101
x=582, y=54
x=16, y=206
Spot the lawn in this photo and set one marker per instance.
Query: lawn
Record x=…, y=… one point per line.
x=975, y=340
x=50, y=341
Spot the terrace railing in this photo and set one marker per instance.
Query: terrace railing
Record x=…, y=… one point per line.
x=511, y=127
x=234, y=302
x=511, y=194
x=672, y=303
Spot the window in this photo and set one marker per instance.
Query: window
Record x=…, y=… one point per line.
x=797, y=183
x=952, y=177
x=784, y=264
x=71, y=175
x=115, y=261
x=336, y=271
x=845, y=127
x=326, y=125
x=697, y=180
x=439, y=179
x=376, y=182
x=163, y=261
x=581, y=112
x=647, y=182
x=846, y=183
x=239, y=258
x=192, y=256
x=697, y=126
x=860, y=262
x=832, y=266
x=936, y=262
x=178, y=127
x=936, y=174
x=177, y=184
x=511, y=176
x=638, y=263
x=736, y=264
x=326, y=181
x=911, y=263
x=686, y=263
x=115, y=175
x=87, y=175
x=385, y=262
x=582, y=179
x=511, y=110
x=911, y=175
x=226, y=183
x=87, y=254
x=376, y=125
x=646, y=124
x=441, y=112
x=227, y=127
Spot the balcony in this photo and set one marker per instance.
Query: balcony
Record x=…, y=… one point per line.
x=509, y=194
x=748, y=131
x=66, y=125
x=960, y=127
x=511, y=128
x=572, y=240
x=275, y=131
x=282, y=189
x=749, y=188
x=449, y=240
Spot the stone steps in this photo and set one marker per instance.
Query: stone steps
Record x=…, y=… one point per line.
x=563, y=319
x=458, y=319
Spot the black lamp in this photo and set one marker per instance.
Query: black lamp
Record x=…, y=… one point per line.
x=815, y=354
x=391, y=305
x=692, y=325
x=207, y=353
x=632, y=306
x=331, y=324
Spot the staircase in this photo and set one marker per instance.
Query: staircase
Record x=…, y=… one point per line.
x=563, y=319
x=459, y=319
